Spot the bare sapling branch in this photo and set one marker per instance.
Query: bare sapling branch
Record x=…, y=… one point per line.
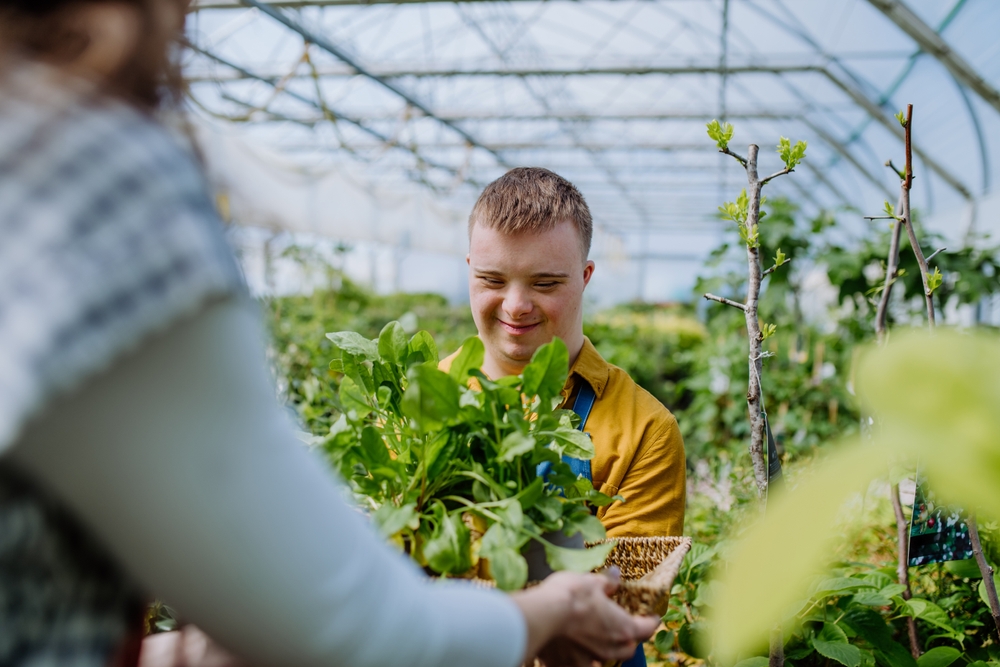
x=935, y=253
x=739, y=158
x=745, y=212
x=891, y=271
x=903, y=564
x=775, y=266
x=925, y=274
x=728, y=302
x=986, y=569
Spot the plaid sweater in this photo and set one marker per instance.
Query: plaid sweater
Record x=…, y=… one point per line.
x=107, y=235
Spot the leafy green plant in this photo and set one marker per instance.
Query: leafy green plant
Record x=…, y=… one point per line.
x=451, y=473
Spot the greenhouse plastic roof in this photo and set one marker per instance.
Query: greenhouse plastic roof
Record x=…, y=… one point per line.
x=614, y=95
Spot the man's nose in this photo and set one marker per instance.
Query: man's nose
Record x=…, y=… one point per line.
x=516, y=303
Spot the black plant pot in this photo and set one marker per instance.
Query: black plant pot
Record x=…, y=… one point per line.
x=534, y=553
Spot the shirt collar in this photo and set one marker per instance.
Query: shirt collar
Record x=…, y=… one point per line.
x=591, y=367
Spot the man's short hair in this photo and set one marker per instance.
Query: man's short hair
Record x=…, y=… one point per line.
x=532, y=200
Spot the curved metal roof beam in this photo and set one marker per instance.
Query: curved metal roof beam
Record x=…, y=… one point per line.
x=327, y=46
x=891, y=124
x=861, y=98
x=984, y=156
x=932, y=42
x=385, y=140
x=841, y=148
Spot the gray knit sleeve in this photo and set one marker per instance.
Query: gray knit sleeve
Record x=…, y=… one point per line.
x=107, y=234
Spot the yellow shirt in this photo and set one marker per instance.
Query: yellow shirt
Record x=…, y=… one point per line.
x=638, y=449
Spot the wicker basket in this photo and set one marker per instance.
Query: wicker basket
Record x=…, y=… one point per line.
x=648, y=566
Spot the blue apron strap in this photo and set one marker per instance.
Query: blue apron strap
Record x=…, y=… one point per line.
x=584, y=403
x=582, y=406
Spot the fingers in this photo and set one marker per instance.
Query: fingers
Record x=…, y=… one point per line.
x=645, y=626
x=612, y=579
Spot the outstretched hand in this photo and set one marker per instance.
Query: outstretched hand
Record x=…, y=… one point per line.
x=572, y=620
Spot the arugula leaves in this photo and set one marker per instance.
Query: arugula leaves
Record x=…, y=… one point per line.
x=451, y=472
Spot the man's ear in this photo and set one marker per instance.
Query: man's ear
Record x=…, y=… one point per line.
x=108, y=34
x=588, y=272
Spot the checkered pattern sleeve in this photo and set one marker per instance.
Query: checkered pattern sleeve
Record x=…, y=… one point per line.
x=107, y=235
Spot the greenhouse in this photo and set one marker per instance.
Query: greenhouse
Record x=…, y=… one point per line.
x=500, y=332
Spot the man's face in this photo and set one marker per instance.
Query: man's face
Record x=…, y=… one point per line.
x=525, y=289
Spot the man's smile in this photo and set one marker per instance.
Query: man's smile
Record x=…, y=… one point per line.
x=518, y=329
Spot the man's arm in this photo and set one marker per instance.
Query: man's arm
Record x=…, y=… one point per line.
x=653, y=487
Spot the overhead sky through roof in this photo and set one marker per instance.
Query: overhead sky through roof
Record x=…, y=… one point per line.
x=614, y=95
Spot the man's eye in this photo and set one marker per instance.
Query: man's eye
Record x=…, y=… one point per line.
x=491, y=282
x=545, y=285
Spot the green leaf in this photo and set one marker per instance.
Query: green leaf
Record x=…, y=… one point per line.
x=870, y=625
x=846, y=654
x=437, y=453
x=374, y=447
x=586, y=524
x=779, y=257
x=934, y=280
x=756, y=661
x=354, y=343
x=964, y=569
x=939, y=656
x=832, y=632
x=835, y=585
x=691, y=638
x=901, y=117
x=892, y=590
x=422, y=344
x=767, y=330
x=894, y=655
x=573, y=443
x=514, y=445
x=791, y=155
x=352, y=398
x=508, y=567
x=577, y=560
x=391, y=519
x=431, y=398
x=531, y=494
x=664, y=643
x=392, y=343
x=549, y=507
x=470, y=357
x=720, y=134
x=872, y=599
x=927, y=611
x=889, y=209
x=449, y=549
x=982, y=589
x=546, y=374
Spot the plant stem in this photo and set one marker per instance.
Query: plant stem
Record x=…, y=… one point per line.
x=908, y=222
x=903, y=565
x=891, y=269
x=754, y=336
x=986, y=569
x=776, y=654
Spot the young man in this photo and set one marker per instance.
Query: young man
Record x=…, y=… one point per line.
x=529, y=235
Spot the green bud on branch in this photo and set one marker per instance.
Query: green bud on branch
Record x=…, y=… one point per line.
x=720, y=134
x=791, y=155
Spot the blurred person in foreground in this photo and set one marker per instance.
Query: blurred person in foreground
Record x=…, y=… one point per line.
x=142, y=451
x=529, y=243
